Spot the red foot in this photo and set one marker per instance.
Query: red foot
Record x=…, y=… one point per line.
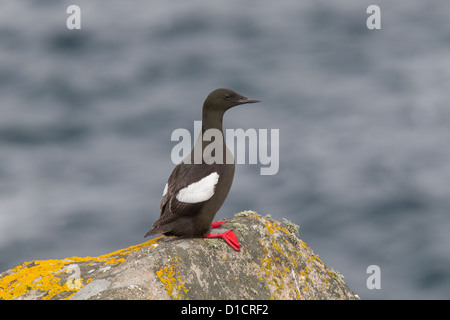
x=229, y=236
x=216, y=224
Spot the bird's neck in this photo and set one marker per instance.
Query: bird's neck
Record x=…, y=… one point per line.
x=212, y=120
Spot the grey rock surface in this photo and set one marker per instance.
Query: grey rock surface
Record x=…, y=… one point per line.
x=273, y=263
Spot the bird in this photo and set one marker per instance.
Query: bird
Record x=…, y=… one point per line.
x=200, y=183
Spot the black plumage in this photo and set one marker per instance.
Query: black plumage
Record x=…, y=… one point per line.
x=189, y=204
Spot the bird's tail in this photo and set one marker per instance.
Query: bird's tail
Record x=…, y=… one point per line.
x=153, y=232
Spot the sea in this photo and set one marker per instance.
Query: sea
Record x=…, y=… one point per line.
x=363, y=115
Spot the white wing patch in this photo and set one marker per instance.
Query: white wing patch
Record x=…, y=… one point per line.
x=165, y=190
x=199, y=191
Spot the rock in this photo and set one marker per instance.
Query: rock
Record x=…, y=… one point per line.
x=273, y=263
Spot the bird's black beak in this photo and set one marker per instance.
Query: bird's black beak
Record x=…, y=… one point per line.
x=243, y=100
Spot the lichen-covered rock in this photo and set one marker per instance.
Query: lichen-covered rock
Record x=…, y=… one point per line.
x=273, y=263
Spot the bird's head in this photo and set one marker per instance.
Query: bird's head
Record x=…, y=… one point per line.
x=223, y=99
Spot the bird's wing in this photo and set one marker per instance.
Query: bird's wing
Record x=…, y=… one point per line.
x=182, y=176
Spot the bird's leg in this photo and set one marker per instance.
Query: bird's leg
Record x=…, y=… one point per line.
x=229, y=236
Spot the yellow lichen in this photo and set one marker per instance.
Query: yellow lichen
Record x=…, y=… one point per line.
x=37, y=275
x=278, y=248
x=273, y=226
x=44, y=276
x=170, y=278
x=115, y=260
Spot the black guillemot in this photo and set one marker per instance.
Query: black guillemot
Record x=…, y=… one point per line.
x=197, y=188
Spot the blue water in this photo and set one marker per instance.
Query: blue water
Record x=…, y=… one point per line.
x=86, y=118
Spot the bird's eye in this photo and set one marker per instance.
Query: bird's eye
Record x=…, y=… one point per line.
x=227, y=96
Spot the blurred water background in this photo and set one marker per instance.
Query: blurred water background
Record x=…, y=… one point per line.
x=86, y=118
